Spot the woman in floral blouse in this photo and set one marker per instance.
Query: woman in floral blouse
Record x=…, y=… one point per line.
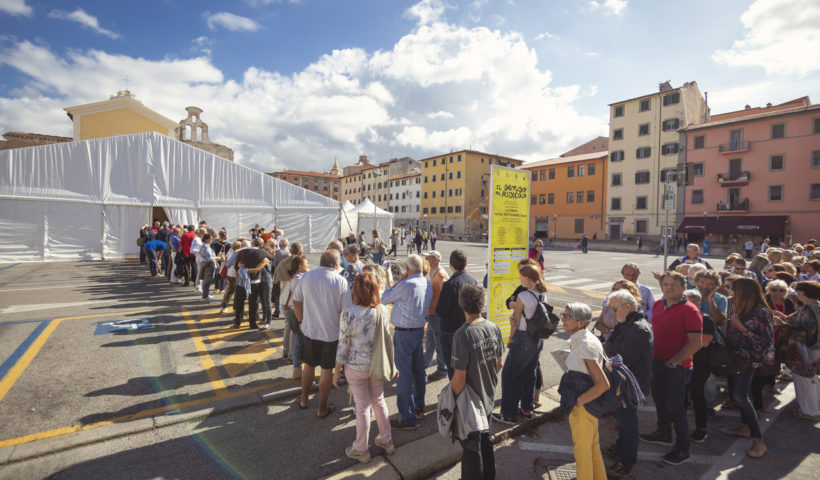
x=750, y=335
x=356, y=329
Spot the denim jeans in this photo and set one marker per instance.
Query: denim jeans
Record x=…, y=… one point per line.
x=518, y=374
x=433, y=344
x=377, y=258
x=409, y=358
x=742, y=395
x=265, y=296
x=447, y=350
x=478, y=458
x=669, y=393
x=207, y=279
x=627, y=443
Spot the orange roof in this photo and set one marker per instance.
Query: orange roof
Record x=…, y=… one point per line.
x=798, y=102
x=406, y=175
x=306, y=174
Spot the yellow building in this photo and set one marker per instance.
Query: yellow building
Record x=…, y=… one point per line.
x=455, y=191
x=122, y=114
x=645, y=146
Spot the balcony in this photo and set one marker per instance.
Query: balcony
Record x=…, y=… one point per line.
x=733, y=178
x=735, y=147
x=741, y=206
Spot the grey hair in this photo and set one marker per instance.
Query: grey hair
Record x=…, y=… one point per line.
x=246, y=243
x=776, y=283
x=579, y=312
x=283, y=243
x=624, y=297
x=692, y=295
x=414, y=263
x=631, y=265
x=693, y=245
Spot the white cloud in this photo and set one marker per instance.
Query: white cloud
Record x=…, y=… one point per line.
x=547, y=35
x=426, y=11
x=439, y=87
x=16, y=7
x=609, y=7
x=202, y=44
x=85, y=19
x=232, y=22
x=780, y=36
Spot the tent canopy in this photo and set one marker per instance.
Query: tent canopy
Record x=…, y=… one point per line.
x=88, y=199
x=369, y=217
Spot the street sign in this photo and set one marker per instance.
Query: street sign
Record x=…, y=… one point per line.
x=669, y=198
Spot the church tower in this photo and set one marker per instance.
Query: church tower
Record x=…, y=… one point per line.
x=335, y=170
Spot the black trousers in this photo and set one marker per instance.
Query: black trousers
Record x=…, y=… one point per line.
x=239, y=297
x=700, y=374
x=190, y=269
x=274, y=298
x=478, y=458
x=152, y=261
x=253, y=303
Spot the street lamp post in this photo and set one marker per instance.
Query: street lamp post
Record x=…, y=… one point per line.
x=376, y=174
x=555, y=230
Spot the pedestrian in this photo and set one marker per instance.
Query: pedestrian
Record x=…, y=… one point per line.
x=185, y=243
x=379, y=248
x=580, y=388
x=477, y=349
x=394, y=241
x=432, y=343
x=749, y=247
x=691, y=258
x=707, y=245
x=354, y=265
x=221, y=248
x=764, y=245
x=632, y=340
x=452, y=316
x=196, y=251
x=230, y=276
x=408, y=240
x=354, y=354
x=254, y=232
x=254, y=259
x=318, y=302
x=410, y=298
x=677, y=326
x=640, y=243
x=631, y=271
x=750, y=335
x=518, y=374
x=433, y=239
x=209, y=262
x=153, y=251
x=296, y=268
x=537, y=253
x=280, y=254
x=585, y=244
x=176, y=256
x=418, y=240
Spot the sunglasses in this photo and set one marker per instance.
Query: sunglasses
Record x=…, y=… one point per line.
x=780, y=290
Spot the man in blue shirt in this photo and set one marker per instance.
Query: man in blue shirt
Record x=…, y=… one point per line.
x=153, y=250
x=411, y=299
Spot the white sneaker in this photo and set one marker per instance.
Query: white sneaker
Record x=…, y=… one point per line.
x=223, y=310
x=363, y=457
x=198, y=289
x=388, y=447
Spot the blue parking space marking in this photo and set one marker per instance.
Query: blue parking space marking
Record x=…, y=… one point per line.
x=8, y=266
x=21, y=349
x=122, y=326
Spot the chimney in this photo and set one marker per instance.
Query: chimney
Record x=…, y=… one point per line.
x=768, y=105
x=748, y=107
x=363, y=159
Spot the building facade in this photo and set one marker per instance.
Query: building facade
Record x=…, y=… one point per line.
x=405, y=199
x=122, y=114
x=755, y=173
x=568, y=196
x=455, y=191
x=16, y=139
x=327, y=184
x=351, y=183
x=193, y=131
x=645, y=149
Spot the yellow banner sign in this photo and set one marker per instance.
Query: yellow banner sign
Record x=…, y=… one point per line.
x=509, y=234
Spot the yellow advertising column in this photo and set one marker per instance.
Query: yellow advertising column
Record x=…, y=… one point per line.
x=509, y=234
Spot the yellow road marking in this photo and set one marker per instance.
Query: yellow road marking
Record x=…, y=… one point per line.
x=207, y=363
x=18, y=368
x=143, y=414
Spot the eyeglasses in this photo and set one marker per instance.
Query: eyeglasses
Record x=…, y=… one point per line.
x=671, y=285
x=565, y=315
x=779, y=290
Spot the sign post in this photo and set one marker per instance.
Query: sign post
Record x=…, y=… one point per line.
x=509, y=238
x=668, y=206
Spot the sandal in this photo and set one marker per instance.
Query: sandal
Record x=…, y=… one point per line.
x=330, y=408
x=299, y=402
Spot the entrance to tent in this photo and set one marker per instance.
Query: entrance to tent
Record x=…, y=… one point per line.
x=158, y=214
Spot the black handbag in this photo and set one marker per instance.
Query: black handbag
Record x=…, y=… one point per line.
x=722, y=361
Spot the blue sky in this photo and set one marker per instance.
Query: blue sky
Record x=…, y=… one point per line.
x=294, y=84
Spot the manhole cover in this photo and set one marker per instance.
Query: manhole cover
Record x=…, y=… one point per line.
x=562, y=472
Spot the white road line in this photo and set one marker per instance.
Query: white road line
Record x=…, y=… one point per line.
x=572, y=282
x=557, y=277
x=642, y=455
x=51, y=306
x=596, y=286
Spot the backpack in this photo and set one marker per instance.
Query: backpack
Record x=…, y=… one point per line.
x=543, y=322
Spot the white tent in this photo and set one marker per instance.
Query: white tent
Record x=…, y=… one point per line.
x=88, y=199
x=369, y=217
x=348, y=222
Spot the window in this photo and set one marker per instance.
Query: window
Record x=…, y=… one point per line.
x=434, y=162
x=434, y=194
x=579, y=225
x=425, y=210
x=450, y=192
x=814, y=191
x=700, y=142
x=615, y=203
x=450, y=207
x=551, y=198
x=425, y=194
x=434, y=178
x=779, y=130
x=640, y=226
x=552, y=174
x=570, y=172
x=543, y=175
x=590, y=196
x=668, y=173
x=403, y=209
x=775, y=193
x=671, y=99
x=815, y=159
x=458, y=207
x=776, y=162
x=643, y=129
x=618, y=134
x=619, y=111
x=417, y=193
x=442, y=177
x=442, y=193
x=458, y=192
x=697, y=169
x=542, y=199
x=616, y=179
x=643, y=152
x=581, y=170
x=451, y=159
x=644, y=106
x=670, y=124
x=697, y=196
x=570, y=197
x=641, y=177
x=616, y=156
x=669, y=149
x=450, y=177
x=640, y=203
x=579, y=197
x=425, y=179
x=591, y=169
x=433, y=210
x=817, y=125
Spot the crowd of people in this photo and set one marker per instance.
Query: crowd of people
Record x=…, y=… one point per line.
x=760, y=316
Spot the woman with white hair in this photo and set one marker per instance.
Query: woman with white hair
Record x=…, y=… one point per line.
x=582, y=383
x=632, y=340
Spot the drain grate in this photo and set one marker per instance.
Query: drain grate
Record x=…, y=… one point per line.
x=563, y=472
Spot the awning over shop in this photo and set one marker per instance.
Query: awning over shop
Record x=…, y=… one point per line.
x=736, y=225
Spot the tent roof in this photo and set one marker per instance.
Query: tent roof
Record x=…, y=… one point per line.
x=347, y=206
x=368, y=208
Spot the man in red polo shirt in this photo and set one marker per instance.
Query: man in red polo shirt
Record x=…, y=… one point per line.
x=677, y=325
x=189, y=259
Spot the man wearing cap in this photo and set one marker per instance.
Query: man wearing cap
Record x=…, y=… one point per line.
x=433, y=343
x=448, y=309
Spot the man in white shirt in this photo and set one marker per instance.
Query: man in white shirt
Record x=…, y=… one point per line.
x=196, y=246
x=318, y=302
x=749, y=247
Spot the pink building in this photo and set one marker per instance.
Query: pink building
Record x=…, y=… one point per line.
x=754, y=173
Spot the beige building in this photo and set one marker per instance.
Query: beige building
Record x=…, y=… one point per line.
x=351, y=183
x=375, y=185
x=455, y=191
x=645, y=148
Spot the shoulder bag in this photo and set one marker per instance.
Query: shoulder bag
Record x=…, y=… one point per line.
x=722, y=360
x=382, y=366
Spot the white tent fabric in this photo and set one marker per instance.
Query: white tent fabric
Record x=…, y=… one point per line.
x=88, y=199
x=348, y=221
x=369, y=217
